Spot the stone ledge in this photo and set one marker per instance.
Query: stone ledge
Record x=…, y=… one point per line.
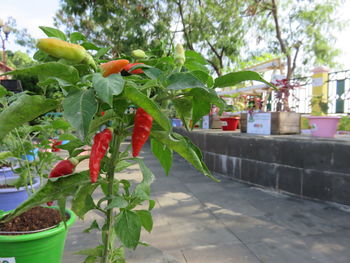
x=313, y=168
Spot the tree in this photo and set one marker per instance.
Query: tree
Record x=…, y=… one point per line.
x=125, y=25
x=215, y=29
x=301, y=31
x=19, y=59
x=21, y=35
x=217, y=25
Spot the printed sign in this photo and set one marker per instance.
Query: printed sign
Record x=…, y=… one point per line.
x=7, y=260
x=205, y=122
x=259, y=123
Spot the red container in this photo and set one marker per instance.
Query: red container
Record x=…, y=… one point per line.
x=229, y=123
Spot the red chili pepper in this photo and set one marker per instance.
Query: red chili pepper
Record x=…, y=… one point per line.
x=135, y=71
x=142, y=130
x=64, y=167
x=98, y=150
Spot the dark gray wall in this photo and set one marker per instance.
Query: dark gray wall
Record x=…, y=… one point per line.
x=305, y=166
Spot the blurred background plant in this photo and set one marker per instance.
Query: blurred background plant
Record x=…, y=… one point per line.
x=29, y=148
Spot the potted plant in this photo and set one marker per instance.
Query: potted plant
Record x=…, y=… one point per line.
x=281, y=121
x=31, y=163
x=98, y=92
x=322, y=125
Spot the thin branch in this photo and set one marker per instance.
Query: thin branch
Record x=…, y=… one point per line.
x=295, y=56
x=216, y=68
x=187, y=37
x=279, y=38
x=213, y=49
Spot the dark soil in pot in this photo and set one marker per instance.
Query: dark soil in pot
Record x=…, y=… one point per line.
x=3, y=186
x=34, y=219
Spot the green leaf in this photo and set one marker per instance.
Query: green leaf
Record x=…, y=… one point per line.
x=3, y=91
x=232, y=79
x=143, y=189
x=98, y=121
x=179, y=81
x=148, y=105
x=106, y=88
x=79, y=109
x=67, y=136
x=90, y=259
x=128, y=228
x=163, y=154
x=5, y=155
x=62, y=208
x=82, y=201
x=153, y=73
x=119, y=202
x=204, y=77
x=102, y=51
x=146, y=219
x=201, y=107
x=54, y=189
x=24, y=109
x=95, y=252
x=53, y=32
x=90, y=46
x=151, y=205
x=184, y=107
x=185, y=148
x=94, y=225
x=122, y=165
x=60, y=124
x=76, y=36
x=49, y=70
x=194, y=56
x=202, y=101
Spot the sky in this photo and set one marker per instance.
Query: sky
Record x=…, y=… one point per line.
x=31, y=14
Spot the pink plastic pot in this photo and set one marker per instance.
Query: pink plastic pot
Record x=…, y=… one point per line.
x=323, y=126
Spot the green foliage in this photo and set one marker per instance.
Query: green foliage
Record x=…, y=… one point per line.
x=24, y=109
x=344, y=124
x=83, y=94
x=305, y=34
x=207, y=27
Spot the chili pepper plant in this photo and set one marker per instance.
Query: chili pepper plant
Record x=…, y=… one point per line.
x=99, y=92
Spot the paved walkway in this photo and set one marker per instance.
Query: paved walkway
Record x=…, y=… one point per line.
x=199, y=221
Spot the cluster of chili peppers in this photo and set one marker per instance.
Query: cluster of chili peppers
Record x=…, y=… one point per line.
x=98, y=151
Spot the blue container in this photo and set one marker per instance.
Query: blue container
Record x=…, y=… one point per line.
x=10, y=198
x=31, y=156
x=176, y=122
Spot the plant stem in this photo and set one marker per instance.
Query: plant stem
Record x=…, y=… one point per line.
x=27, y=164
x=108, y=242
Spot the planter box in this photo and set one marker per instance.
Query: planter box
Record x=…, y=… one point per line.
x=281, y=123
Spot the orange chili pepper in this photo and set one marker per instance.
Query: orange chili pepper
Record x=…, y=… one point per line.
x=114, y=66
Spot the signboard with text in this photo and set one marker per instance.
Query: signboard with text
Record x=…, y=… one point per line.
x=259, y=123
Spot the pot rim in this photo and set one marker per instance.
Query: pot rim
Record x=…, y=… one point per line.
x=36, y=183
x=324, y=117
x=43, y=234
x=6, y=169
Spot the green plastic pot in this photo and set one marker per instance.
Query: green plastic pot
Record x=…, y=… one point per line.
x=45, y=246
